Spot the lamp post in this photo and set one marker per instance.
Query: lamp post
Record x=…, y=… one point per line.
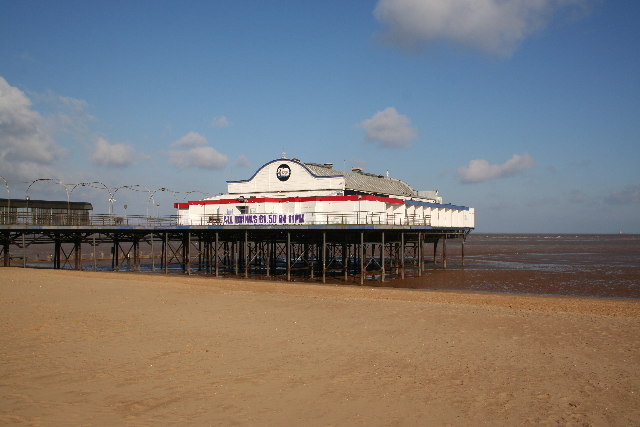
x=73, y=187
x=26, y=193
x=168, y=190
x=111, y=199
x=66, y=189
x=138, y=187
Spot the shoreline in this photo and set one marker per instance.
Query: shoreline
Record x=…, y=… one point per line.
x=615, y=306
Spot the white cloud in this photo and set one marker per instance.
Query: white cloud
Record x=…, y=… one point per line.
x=493, y=26
x=25, y=136
x=194, y=152
x=480, y=170
x=192, y=139
x=629, y=195
x=220, y=122
x=242, y=161
x=578, y=196
x=113, y=155
x=389, y=128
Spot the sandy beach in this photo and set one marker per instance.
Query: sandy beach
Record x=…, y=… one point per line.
x=87, y=348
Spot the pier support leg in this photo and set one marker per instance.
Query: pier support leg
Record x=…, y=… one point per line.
x=136, y=254
x=267, y=256
x=95, y=261
x=77, y=254
x=423, y=251
x=435, y=251
x=419, y=254
x=200, y=252
x=234, y=249
x=402, y=255
x=165, y=256
x=362, y=252
x=288, y=255
x=153, y=258
x=345, y=261
x=444, y=252
x=215, y=255
x=310, y=259
x=324, y=257
x=5, y=251
x=56, y=253
x=187, y=254
x=115, y=256
x=382, y=260
x=246, y=254
x=462, y=249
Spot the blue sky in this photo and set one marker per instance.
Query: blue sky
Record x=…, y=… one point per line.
x=527, y=111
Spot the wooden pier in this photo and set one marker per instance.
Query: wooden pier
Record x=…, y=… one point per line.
x=356, y=253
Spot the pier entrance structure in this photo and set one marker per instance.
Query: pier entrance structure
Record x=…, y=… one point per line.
x=290, y=220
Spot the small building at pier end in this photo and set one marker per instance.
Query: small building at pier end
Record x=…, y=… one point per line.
x=289, y=192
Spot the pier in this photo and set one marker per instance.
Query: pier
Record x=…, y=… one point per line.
x=317, y=252
x=290, y=220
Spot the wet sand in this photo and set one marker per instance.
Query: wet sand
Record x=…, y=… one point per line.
x=87, y=348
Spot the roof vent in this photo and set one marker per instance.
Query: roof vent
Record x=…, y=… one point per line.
x=296, y=160
x=328, y=165
x=357, y=170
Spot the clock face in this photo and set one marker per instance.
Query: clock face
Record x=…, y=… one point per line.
x=283, y=172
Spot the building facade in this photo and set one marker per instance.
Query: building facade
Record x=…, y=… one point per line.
x=288, y=191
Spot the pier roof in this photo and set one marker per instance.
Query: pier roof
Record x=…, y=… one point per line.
x=365, y=182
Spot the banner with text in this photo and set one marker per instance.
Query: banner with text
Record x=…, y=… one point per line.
x=263, y=219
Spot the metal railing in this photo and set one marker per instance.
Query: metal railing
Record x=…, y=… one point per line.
x=315, y=218
x=83, y=219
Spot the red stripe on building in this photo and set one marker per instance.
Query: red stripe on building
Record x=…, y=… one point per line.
x=295, y=199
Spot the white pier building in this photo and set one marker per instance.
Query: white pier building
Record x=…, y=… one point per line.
x=288, y=192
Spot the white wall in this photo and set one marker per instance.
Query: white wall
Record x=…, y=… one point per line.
x=300, y=179
x=340, y=212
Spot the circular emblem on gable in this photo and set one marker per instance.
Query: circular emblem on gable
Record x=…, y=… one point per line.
x=284, y=172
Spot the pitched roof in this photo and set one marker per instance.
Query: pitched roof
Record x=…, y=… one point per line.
x=365, y=182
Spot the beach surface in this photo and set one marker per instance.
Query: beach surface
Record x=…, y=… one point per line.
x=96, y=348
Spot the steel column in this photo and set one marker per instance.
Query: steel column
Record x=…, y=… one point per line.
x=288, y=255
x=402, y=254
x=382, y=260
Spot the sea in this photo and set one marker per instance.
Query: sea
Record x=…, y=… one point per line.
x=592, y=265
